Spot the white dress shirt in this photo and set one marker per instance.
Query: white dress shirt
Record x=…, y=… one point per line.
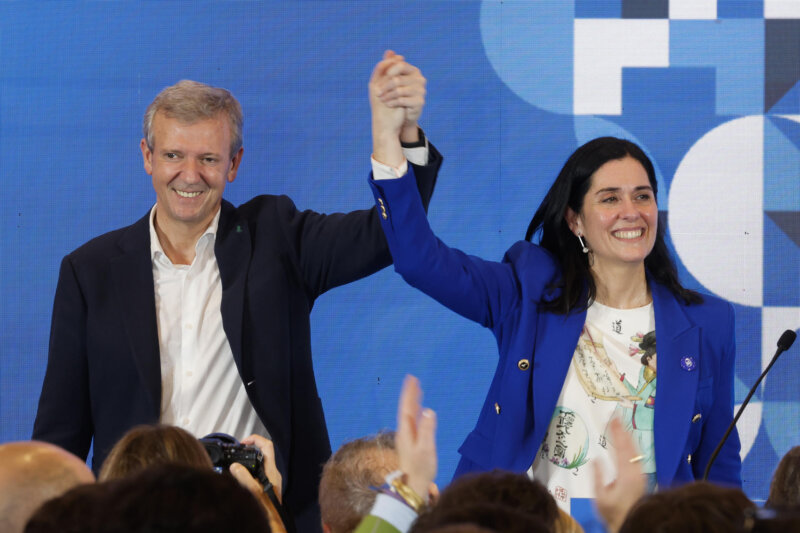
x=417, y=155
x=201, y=390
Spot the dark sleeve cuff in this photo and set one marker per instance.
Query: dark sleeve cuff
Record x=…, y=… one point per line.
x=419, y=144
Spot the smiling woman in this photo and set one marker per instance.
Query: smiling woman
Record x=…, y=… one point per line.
x=619, y=220
x=600, y=218
x=576, y=319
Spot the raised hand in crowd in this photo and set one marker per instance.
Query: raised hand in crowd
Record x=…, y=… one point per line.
x=415, y=438
x=614, y=500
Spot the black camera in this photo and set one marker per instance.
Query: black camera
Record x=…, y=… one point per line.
x=225, y=450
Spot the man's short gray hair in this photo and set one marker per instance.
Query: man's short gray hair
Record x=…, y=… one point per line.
x=346, y=490
x=189, y=101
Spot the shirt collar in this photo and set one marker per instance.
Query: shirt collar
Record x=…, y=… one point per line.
x=155, y=245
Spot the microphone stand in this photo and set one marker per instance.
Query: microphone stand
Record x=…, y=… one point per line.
x=784, y=343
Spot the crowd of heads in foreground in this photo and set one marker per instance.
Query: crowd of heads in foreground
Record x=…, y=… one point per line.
x=160, y=478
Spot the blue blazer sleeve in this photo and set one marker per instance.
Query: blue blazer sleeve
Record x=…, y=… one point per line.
x=483, y=291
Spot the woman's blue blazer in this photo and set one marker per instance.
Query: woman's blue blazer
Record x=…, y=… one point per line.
x=696, y=349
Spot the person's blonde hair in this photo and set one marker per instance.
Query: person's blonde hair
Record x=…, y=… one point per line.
x=189, y=101
x=149, y=445
x=346, y=489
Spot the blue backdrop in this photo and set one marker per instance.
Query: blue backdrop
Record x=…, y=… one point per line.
x=709, y=88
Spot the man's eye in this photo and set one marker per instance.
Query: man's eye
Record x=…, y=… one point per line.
x=644, y=197
x=610, y=200
x=170, y=155
x=210, y=160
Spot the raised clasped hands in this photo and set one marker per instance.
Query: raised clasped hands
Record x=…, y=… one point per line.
x=396, y=96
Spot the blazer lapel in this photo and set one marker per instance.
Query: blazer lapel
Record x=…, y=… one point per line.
x=677, y=349
x=233, y=250
x=132, y=279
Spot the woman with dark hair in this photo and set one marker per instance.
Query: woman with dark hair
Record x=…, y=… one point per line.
x=573, y=316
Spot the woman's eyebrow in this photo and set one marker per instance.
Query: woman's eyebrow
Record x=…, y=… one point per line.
x=617, y=189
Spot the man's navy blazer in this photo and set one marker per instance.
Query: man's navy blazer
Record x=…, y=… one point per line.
x=103, y=372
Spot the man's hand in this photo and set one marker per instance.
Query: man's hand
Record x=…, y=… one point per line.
x=270, y=467
x=614, y=500
x=415, y=438
x=403, y=85
x=243, y=476
x=397, y=96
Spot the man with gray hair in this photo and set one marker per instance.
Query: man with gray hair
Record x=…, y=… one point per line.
x=197, y=315
x=347, y=488
x=30, y=474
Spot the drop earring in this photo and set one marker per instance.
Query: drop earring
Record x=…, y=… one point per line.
x=584, y=249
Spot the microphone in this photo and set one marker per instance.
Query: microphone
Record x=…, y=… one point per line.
x=784, y=343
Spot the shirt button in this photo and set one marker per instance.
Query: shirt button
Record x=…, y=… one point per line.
x=185, y=421
x=188, y=326
x=189, y=374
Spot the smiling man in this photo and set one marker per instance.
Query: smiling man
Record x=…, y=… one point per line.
x=190, y=166
x=197, y=315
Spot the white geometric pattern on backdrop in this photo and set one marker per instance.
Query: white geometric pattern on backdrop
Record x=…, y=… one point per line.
x=602, y=48
x=721, y=182
x=713, y=236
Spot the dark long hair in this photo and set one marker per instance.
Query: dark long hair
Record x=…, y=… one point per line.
x=569, y=189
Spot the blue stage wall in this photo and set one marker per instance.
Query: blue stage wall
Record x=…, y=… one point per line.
x=709, y=88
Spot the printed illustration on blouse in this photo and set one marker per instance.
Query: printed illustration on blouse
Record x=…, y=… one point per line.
x=566, y=442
